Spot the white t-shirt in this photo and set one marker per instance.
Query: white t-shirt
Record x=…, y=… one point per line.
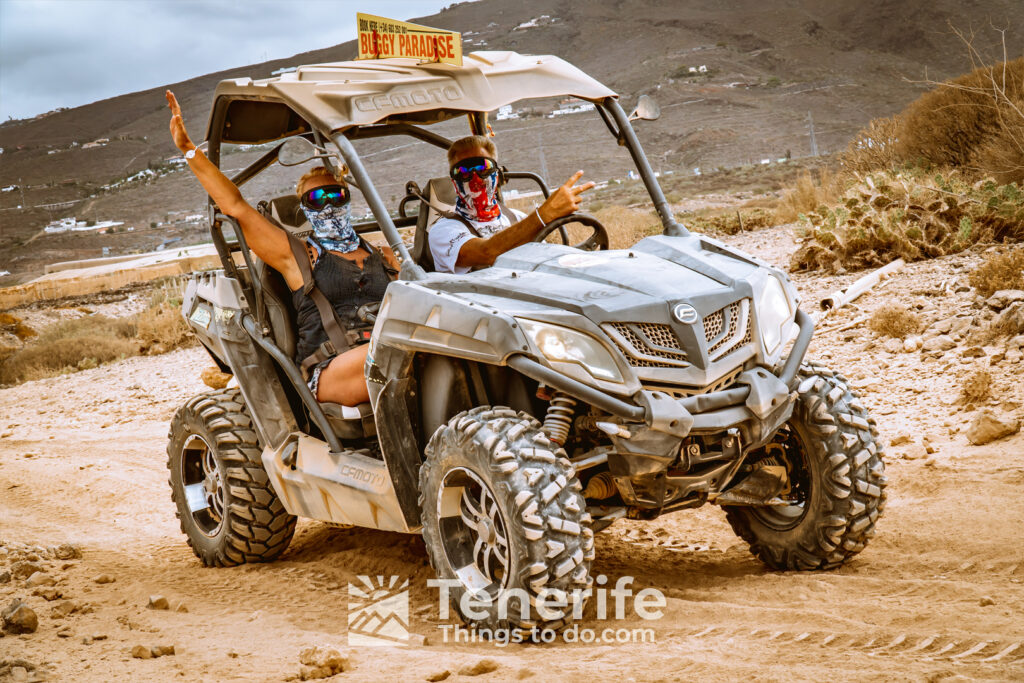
x=447, y=235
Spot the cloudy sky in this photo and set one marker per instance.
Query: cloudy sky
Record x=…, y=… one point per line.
x=65, y=53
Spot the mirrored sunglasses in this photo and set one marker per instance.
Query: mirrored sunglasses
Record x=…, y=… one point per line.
x=481, y=167
x=319, y=197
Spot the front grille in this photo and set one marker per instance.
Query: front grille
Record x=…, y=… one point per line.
x=728, y=329
x=645, y=343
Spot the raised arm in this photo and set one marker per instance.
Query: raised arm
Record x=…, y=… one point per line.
x=562, y=202
x=265, y=239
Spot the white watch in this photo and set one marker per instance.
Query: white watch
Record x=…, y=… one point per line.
x=191, y=153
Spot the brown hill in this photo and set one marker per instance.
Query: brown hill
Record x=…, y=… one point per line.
x=770, y=68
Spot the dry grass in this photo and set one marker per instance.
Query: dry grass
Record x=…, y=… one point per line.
x=976, y=387
x=999, y=271
x=14, y=325
x=810, y=193
x=731, y=221
x=81, y=343
x=874, y=147
x=894, y=320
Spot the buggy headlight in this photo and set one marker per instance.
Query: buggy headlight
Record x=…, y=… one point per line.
x=562, y=345
x=772, y=313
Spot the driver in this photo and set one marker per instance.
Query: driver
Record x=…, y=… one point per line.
x=343, y=266
x=482, y=229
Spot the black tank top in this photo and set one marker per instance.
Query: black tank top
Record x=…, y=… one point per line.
x=347, y=287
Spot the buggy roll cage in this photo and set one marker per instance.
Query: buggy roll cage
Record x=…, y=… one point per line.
x=256, y=324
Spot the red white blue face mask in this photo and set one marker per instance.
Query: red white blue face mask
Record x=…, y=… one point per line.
x=476, y=185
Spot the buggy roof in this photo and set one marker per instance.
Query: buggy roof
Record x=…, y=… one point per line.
x=339, y=95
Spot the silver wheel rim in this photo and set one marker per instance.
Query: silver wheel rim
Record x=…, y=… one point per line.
x=473, y=532
x=203, y=484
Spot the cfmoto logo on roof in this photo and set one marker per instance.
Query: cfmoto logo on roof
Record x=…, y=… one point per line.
x=411, y=97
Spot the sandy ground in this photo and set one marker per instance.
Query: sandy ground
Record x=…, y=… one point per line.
x=936, y=595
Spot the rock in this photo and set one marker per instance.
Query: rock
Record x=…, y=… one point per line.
x=986, y=427
x=1011, y=320
x=180, y=607
x=39, y=579
x=158, y=602
x=162, y=650
x=973, y=352
x=19, y=674
x=5, y=576
x=911, y=344
x=87, y=640
x=1004, y=298
x=915, y=451
x=938, y=344
x=439, y=676
x=942, y=327
x=1016, y=343
x=900, y=439
x=214, y=378
x=19, y=618
x=142, y=652
x=104, y=578
x=484, y=666
x=65, y=632
x=67, y=551
x=321, y=661
x=63, y=609
x=48, y=594
x=960, y=327
x=986, y=601
x=1013, y=356
x=25, y=569
x=892, y=345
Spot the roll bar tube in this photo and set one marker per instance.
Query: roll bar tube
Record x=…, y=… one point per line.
x=628, y=136
x=410, y=269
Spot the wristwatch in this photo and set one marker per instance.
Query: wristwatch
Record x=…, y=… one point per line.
x=191, y=153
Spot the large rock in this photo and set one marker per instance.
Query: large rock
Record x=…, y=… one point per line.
x=938, y=344
x=19, y=618
x=986, y=428
x=1004, y=298
x=1011, y=321
x=322, y=662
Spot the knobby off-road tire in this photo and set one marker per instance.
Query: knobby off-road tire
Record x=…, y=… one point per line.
x=535, y=504
x=212, y=441
x=835, y=464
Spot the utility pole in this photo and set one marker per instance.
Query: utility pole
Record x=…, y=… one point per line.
x=814, y=142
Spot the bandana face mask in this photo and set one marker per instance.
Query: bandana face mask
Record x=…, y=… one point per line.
x=476, y=184
x=332, y=227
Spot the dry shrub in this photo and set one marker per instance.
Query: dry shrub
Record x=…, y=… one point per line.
x=809, y=194
x=626, y=226
x=976, y=387
x=39, y=360
x=162, y=328
x=905, y=215
x=999, y=271
x=974, y=122
x=732, y=222
x=14, y=325
x=894, y=320
x=874, y=147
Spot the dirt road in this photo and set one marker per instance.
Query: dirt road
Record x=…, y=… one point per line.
x=936, y=595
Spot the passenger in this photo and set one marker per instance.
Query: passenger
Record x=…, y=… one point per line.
x=348, y=271
x=483, y=230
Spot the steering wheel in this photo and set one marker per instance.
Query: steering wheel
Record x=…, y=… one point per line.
x=598, y=241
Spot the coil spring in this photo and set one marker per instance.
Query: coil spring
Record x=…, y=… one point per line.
x=558, y=419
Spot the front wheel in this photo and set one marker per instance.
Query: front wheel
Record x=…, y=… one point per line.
x=504, y=521
x=833, y=460
x=227, y=507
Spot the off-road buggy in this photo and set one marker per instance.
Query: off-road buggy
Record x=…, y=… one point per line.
x=515, y=410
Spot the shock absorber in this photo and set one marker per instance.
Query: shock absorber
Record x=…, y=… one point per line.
x=558, y=419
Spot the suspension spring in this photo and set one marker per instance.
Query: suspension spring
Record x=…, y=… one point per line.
x=558, y=420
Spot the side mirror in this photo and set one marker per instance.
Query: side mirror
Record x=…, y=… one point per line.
x=646, y=109
x=299, y=150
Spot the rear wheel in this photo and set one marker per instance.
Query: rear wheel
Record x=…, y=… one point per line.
x=833, y=461
x=225, y=503
x=504, y=520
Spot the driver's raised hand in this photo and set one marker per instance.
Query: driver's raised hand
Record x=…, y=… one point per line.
x=565, y=200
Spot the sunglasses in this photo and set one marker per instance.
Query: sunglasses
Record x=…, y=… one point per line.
x=319, y=197
x=481, y=167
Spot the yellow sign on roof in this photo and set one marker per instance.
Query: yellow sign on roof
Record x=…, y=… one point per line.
x=380, y=38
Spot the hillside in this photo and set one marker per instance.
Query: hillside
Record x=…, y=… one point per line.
x=770, y=70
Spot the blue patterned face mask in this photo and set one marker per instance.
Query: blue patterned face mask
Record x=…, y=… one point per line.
x=332, y=227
